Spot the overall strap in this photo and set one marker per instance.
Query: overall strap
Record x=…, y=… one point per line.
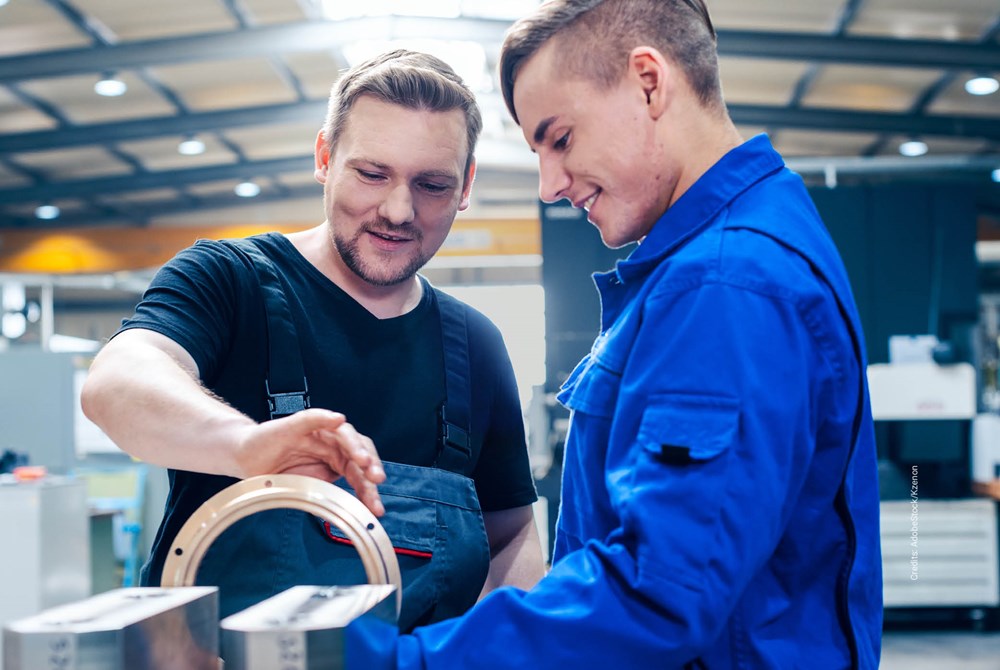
x=285, y=383
x=454, y=444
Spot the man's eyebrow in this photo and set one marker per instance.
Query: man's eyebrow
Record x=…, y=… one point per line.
x=439, y=174
x=543, y=128
x=366, y=162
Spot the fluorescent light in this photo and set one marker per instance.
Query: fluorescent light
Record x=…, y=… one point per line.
x=913, y=148
x=13, y=325
x=995, y=175
x=345, y=9
x=110, y=87
x=468, y=59
x=491, y=9
x=191, y=147
x=247, y=189
x=14, y=298
x=982, y=86
x=47, y=212
x=72, y=344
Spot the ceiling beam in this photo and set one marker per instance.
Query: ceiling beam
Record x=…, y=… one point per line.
x=835, y=120
x=321, y=35
x=249, y=42
x=939, y=168
x=877, y=51
x=78, y=188
x=841, y=120
x=161, y=126
x=959, y=166
x=506, y=160
x=160, y=208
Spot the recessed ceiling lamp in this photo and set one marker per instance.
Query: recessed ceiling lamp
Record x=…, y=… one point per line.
x=913, y=148
x=13, y=297
x=13, y=324
x=47, y=212
x=247, y=189
x=192, y=146
x=982, y=86
x=110, y=86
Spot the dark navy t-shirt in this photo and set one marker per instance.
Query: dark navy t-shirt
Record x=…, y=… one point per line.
x=385, y=375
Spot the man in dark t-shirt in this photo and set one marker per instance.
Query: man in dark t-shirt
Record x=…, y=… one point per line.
x=183, y=383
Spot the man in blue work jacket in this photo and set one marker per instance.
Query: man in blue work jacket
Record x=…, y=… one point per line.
x=720, y=504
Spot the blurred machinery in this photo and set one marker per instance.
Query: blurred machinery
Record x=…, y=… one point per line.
x=939, y=544
x=120, y=630
x=47, y=562
x=176, y=627
x=303, y=627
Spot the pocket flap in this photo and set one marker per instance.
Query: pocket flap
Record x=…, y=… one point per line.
x=593, y=390
x=682, y=428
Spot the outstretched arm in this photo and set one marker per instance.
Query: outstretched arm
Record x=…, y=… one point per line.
x=143, y=391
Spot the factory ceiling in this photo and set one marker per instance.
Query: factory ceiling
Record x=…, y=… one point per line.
x=240, y=87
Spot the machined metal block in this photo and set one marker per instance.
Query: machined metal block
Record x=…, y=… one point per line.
x=124, y=629
x=302, y=628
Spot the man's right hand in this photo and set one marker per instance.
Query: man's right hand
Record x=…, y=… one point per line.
x=317, y=443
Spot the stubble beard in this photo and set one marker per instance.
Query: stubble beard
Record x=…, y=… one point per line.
x=370, y=272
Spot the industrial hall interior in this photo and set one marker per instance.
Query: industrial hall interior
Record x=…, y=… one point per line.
x=136, y=134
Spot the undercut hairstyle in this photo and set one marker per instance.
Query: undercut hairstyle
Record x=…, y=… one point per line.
x=410, y=79
x=595, y=37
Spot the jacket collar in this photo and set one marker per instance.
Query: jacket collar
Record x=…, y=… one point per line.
x=735, y=172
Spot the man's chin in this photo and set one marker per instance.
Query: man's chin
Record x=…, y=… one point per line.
x=385, y=277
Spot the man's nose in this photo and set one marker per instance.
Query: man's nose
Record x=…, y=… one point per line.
x=397, y=208
x=553, y=180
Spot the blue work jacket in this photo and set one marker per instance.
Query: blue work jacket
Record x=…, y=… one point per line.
x=720, y=502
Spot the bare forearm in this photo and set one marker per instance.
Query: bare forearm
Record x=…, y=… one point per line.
x=155, y=409
x=143, y=390
x=515, y=550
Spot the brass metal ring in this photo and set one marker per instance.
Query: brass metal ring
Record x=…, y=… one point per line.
x=267, y=492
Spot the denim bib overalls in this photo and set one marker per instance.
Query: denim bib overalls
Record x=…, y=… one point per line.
x=432, y=514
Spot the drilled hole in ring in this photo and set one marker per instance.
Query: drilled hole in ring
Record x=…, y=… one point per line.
x=179, y=551
x=268, y=483
x=371, y=526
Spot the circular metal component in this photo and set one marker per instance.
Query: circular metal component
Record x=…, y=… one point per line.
x=267, y=492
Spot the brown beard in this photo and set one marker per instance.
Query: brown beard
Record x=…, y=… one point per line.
x=349, y=252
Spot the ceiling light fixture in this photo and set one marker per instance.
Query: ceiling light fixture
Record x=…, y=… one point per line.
x=3, y=2
x=192, y=146
x=982, y=86
x=13, y=297
x=468, y=59
x=913, y=148
x=110, y=86
x=13, y=325
x=247, y=189
x=995, y=175
x=338, y=9
x=47, y=212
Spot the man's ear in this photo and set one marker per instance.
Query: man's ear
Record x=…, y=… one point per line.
x=322, y=157
x=467, y=187
x=654, y=75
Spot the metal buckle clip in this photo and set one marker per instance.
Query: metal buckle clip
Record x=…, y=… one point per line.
x=284, y=404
